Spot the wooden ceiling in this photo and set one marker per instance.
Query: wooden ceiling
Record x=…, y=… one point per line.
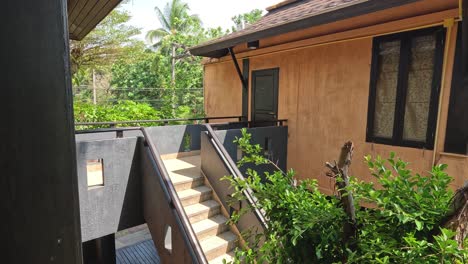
x=84, y=15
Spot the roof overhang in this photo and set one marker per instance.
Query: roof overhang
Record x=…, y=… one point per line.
x=84, y=15
x=217, y=49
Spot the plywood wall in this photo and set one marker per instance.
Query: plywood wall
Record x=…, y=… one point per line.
x=323, y=92
x=324, y=95
x=223, y=90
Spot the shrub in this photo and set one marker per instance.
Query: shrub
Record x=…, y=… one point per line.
x=306, y=226
x=121, y=111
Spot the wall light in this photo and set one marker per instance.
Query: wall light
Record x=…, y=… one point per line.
x=253, y=44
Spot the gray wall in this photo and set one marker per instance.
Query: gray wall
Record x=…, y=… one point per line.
x=106, y=135
x=170, y=139
x=38, y=188
x=278, y=146
x=214, y=169
x=118, y=204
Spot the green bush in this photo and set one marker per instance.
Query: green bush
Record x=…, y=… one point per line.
x=306, y=226
x=121, y=111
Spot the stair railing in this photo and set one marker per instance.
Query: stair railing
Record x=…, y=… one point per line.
x=183, y=221
x=232, y=168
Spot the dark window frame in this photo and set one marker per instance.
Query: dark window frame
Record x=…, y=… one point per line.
x=402, y=87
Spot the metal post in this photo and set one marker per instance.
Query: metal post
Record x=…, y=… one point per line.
x=94, y=86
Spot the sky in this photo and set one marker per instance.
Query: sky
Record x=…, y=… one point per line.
x=213, y=13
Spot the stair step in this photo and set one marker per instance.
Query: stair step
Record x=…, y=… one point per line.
x=185, y=182
x=195, y=195
x=184, y=172
x=210, y=227
x=219, y=245
x=219, y=260
x=201, y=211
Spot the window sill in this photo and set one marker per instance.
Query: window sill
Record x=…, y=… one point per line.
x=460, y=156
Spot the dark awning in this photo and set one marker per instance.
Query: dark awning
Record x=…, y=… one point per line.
x=292, y=16
x=84, y=15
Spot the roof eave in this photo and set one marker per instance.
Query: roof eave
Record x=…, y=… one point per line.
x=216, y=49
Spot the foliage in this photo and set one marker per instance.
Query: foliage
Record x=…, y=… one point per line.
x=127, y=69
x=121, y=111
x=410, y=210
x=241, y=21
x=175, y=19
x=305, y=226
x=139, y=74
x=112, y=39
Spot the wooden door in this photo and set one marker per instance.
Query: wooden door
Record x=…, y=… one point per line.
x=265, y=96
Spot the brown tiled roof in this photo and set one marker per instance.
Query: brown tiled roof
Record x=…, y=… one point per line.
x=294, y=15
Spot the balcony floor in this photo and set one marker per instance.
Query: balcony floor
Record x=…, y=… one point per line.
x=143, y=252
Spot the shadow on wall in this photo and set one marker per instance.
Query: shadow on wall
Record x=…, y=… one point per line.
x=175, y=139
x=273, y=140
x=116, y=203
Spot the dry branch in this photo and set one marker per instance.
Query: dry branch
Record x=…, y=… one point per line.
x=457, y=217
x=339, y=171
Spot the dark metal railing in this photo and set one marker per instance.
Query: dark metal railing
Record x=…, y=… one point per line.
x=249, y=124
x=164, y=122
x=232, y=168
x=188, y=233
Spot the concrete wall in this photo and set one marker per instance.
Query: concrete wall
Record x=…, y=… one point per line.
x=159, y=214
x=214, y=168
x=170, y=139
x=117, y=205
x=277, y=149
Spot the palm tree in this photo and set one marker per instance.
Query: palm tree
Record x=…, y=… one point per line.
x=175, y=18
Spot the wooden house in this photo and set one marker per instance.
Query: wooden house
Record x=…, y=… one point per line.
x=387, y=75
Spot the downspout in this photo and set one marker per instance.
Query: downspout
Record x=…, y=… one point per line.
x=448, y=24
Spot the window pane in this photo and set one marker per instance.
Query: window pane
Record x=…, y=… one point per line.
x=418, y=95
x=387, y=79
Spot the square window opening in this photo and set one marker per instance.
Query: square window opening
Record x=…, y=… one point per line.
x=95, y=172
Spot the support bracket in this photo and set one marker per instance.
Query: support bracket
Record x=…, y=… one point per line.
x=239, y=72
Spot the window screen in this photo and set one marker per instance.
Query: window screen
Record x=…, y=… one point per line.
x=406, y=70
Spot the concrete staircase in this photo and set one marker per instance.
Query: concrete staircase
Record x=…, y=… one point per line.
x=204, y=213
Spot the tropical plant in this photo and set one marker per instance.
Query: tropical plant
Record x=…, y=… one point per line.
x=241, y=21
x=402, y=224
x=111, y=40
x=120, y=111
x=174, y=19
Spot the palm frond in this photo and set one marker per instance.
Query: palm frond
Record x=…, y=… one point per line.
x=156, y=35
x=163, y=19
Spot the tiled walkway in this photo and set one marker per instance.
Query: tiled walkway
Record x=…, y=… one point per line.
x=142, y=252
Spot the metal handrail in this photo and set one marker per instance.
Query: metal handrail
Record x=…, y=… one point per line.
x=164, y=121
x=188, y=233
x=174, y=201
x=232, y=167
x=251, y=124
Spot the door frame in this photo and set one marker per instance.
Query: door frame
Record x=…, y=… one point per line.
x=263, y=72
